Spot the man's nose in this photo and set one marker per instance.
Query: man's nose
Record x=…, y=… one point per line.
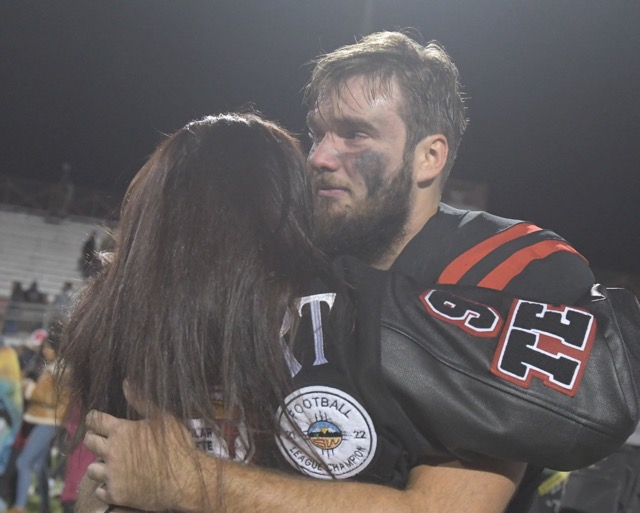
x=323, y=156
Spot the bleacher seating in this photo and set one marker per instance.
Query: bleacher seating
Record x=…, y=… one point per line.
x=42, y=241
x=34, y=249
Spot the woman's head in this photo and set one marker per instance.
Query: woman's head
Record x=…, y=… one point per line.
x=232, y=184
x=213, y=243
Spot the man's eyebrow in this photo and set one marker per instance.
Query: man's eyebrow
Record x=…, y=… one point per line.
x=353, y=123
x=341, y=123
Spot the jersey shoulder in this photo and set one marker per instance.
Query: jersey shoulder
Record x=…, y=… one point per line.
x=475, y=248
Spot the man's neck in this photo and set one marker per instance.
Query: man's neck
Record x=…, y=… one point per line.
x=414, y=225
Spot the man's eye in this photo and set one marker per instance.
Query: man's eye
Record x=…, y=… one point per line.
x=356, y=135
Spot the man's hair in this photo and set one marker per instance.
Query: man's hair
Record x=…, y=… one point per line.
x=428, y=80
x=213, y=245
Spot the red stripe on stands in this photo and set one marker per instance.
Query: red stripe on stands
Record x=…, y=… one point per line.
x=459, y=266
x=500, y=277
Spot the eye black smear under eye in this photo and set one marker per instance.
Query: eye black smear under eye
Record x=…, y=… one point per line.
x=372, y=166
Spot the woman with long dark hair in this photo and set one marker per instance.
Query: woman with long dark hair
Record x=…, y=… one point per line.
x=213, y=245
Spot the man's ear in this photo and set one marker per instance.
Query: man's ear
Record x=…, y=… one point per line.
x=430, y=157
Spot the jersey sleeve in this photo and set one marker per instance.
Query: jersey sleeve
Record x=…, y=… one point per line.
x=561, y=278
x=520, y=259
x=489, y=374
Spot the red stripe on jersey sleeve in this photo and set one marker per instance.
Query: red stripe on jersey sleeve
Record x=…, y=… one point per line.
x=500, y=277
x=460, y=265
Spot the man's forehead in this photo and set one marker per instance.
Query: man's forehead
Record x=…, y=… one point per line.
x=358, y=96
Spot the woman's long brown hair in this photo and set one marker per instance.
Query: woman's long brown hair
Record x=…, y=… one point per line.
x=213, y=244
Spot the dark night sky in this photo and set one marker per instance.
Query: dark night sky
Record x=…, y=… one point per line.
x=553, y=86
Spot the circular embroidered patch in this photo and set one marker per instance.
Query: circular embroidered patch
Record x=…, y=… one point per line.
x=333, y=428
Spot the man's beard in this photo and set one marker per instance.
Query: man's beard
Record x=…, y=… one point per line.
x=368, y=231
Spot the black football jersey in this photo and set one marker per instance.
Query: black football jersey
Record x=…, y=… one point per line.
x=409, y=382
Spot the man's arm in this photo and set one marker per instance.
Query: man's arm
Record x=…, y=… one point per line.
x=139, y=472
x=431, y=489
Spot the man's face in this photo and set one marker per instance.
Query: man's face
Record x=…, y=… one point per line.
x=360, y=179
